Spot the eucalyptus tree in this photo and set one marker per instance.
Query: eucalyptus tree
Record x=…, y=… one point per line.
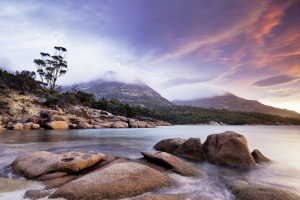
x=50, y=68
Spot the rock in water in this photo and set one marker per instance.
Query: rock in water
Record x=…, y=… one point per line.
x=191, y=149
x=176, y=165
x=169, y=145
x=228, y=148
x=36, y=194
x=57, y=125
x=253, y=191
x=35, y=164
x=81, y=125
x=117, y=181
x=259, y=157
x=35, y=126
x=17, y=126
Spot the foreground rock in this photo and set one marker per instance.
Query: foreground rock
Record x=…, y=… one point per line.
x=191, y=149
x=169, y=145
x=48, y=165
x=36, y=194
x=253, y=191
x=120, y=180
x=260, y=158
x=228, y=148
x=171, y=162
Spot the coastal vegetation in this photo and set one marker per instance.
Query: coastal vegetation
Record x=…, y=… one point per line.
x=196, y=115
x=50, y=68
x=25, y=82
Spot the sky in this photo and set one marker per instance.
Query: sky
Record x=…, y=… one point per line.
x=184, y=49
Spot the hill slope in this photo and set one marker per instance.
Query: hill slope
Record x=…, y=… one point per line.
x=234, y=103
x=133, y=94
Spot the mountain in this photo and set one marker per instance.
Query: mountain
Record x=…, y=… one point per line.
x=232, y=102
x=137, y=93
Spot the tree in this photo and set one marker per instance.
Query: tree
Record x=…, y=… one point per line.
x=25, y=80
x=51, y=67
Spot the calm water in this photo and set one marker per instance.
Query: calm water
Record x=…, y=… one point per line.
x=279, y=143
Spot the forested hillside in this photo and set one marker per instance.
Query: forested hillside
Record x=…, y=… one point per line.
x=196, y=115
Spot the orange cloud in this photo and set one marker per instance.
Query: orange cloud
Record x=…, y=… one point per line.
x=269, y=19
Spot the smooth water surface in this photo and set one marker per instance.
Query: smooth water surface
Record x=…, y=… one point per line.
x=279, y=143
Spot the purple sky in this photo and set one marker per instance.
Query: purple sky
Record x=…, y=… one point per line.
x=183, y=49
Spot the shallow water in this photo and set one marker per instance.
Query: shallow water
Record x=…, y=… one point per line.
x=279, y=143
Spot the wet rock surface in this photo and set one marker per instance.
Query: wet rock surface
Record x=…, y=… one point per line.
x=49, y=163
x=169, y=145
x=36, y=194
x=260, y=158
x=120, y=180
x=191, y=149
x=171, y=162
x=228, y=148
x=254, y=191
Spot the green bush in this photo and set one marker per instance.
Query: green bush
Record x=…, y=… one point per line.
x=51, y=100
x=87, y=104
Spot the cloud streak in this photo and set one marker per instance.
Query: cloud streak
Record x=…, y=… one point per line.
x=172, y=45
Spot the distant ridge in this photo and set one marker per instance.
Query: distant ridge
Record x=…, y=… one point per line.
x=133, y=94
x=234, y=103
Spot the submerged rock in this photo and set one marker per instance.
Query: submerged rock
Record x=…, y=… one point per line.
x=169, y=145
x=259, y=157
x=36, y=194
x=253, y=191
x=117, y=181
x=191, y=149
x=228, y=148
x=171, y=162
x=36, y=164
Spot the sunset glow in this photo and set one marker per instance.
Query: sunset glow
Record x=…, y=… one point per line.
x=179, y=48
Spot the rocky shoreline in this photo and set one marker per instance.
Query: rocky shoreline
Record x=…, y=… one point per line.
x=25, y=112
x=95, y=175
x=80, y=117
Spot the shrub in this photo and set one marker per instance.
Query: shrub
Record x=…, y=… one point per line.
x=51, y=100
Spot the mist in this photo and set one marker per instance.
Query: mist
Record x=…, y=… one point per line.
x=191, y=92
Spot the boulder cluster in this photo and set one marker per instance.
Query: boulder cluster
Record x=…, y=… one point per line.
x=92, y=175
x=227, y=148
x=79, y=117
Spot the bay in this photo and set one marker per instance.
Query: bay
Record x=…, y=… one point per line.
x=279, y=143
